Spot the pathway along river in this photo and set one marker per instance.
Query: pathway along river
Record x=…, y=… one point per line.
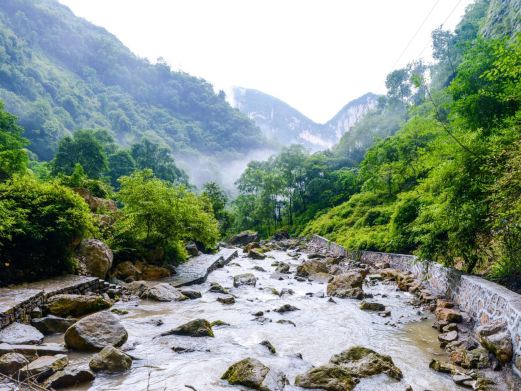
x=323, y=328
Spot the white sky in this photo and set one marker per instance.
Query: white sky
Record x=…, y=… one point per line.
x=316, y=55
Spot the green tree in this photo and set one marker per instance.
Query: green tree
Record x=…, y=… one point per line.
x=159, y=215
x=40, y=225
x=82, y=148
x=13, y=157
x=149, y=155
x=121, y=163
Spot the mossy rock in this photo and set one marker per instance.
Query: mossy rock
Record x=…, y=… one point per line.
x=363, y=362
x=249, y=372
x=327, y=377
x=76, y=305
x=194, y=328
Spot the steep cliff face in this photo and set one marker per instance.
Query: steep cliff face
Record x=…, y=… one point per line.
x=351, y=114
x=285, y=125
x=503, y=19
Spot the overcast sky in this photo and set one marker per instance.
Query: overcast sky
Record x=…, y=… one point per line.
x=316, y=55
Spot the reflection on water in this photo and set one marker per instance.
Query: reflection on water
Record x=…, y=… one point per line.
x=322, y=329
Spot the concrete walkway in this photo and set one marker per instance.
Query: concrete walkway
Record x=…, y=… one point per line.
x=197, y=269
x=17, y=302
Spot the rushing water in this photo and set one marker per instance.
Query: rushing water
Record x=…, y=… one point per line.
x=322, y=329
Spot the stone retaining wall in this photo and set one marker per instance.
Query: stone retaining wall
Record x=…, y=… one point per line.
x=17, y=303
x=483, y=300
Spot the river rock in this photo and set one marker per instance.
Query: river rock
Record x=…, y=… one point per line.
x=226, y=300
x=69, y=377
x=450, y=315
x=96, y=331
x=162, y=292
x=347, y=285
x=251, y=246
x=371, y=306
x=96, y=204
x=282, y=268
x=443, y=367
x=191, y=294
x=191, y=249
x=251, y=373
x=327, y=377
x=312, y=267
x=43, y=367
x=269, y=346
x=151, y=272
x=10, y=363
x=364, y=362
x=286, y=308
x=256, y=254
x=445, y=338
x=20, y=333
x=215, y=287
x=51, y=324
x=65, y=305
x=244, y=238
x=194, y=328
x=110, y=359
x=95, y=257
x=126, y=270
x=497, y=339
x=244, y=279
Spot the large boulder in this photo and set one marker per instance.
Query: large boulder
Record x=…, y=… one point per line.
x=96, y=331
x=65, y=305
x=10, y=363
x=43, y=367
x=363, y=362
x=194, y=328
x=191, y=249
x=96, y=204
x=311, y=268
x=450, y=315
x=51, y=324
x=244, y=279
x=162, y=292
x=327, y=377
x=244, y=238
x=496, y=338
x=256, y=254
x=151, y=272
x=371, y=306
x=95, y=258
x=110, y=359
x=251, y=373
x=347, y=285
x=69, y=377
x=20, y=334
x=126, y=270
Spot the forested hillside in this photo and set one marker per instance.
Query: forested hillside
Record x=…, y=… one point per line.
x=442, y=183
x=59, y=73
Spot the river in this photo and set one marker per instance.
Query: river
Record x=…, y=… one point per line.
x=322, y=328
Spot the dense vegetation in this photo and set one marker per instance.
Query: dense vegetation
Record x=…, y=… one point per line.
x=45, y=214
x=445, y=186
x=59, y=73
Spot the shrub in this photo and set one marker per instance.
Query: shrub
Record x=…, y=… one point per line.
x=159, y=216
x=40, y=224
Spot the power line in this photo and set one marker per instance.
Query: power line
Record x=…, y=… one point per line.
x=445, y=21
x=415, y=34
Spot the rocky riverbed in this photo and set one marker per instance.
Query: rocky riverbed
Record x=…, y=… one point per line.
x=279, y=316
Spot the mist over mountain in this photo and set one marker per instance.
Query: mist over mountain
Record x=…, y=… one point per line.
x=59, y=73
x=286, y=125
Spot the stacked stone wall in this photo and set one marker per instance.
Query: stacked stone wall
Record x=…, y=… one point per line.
x=483, y=300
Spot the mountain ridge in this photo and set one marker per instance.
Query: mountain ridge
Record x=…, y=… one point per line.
x=284, y=124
